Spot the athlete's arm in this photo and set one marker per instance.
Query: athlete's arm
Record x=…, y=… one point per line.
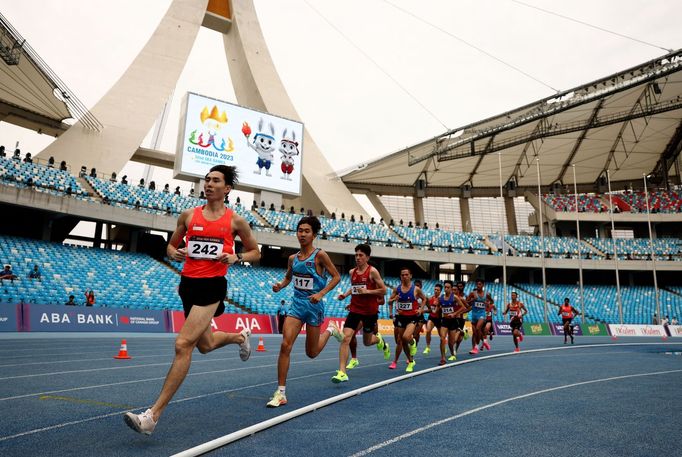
x=350, y=290
x=391, y=300
x=506, y=309
x=525, y=311
x=322, y=258
x=465, y=304
x=172, y=250
x=276, y=287
x=418, y=293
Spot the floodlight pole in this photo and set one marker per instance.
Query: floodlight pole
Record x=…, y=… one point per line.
x=542, y=241
x=615, y=249
x=580, y=254
x=651, y=246
x=504, y=232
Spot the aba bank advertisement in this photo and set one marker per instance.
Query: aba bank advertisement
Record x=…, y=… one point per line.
x=9, y=318
x=267, y=150
x=232, y=323
x=637, y=330
x=51, y=318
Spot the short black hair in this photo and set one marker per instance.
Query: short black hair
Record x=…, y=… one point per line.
x=482, y=281
x=440, y=286
x=418, y=282
x=364, y=248
x=406, y=268
x=312, y=221
x=229, y=174
x=460, y=283
x=447, y=281
x=567, y=299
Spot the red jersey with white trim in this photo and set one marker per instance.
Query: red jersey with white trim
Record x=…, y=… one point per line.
x=364, y=304
x=206, y=240
x=515, y=310
x=566, y=312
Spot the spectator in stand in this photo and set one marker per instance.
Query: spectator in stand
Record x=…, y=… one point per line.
x=202, y=196
x=124, y=179
x=28, y=158
x=84, y=171
x=17, y=155
x=152, y=185
x=71, y=302
x=50, y=162
x=89, y=297
x=2, y=151
x=93, y=172
x=141, y=183
x=62, y=166
x=113, y=177
x=673, y=321
x=7, y=273
x=654, y=320
x=177, y=190
x=35, y=273
x=281, y=315
x=166, y=188
x=69, y=191
x=191, y=191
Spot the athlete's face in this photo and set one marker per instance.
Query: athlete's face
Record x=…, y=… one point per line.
x=436, y=291
x=305, y=234
x=448, y=289
x=460, y=287
x=215, y=187
x=479, y=286
x=361, y=259
x=405, y=277
x=514, y=296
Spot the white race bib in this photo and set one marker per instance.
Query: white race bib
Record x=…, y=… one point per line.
x=405, y=306
x=199, y=247
x=448, y=310
x=303, y=282
x=355, y=288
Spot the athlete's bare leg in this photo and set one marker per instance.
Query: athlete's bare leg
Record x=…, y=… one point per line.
x=292, y=327
x=407, y=339
x=398, y=333
x=194, y=327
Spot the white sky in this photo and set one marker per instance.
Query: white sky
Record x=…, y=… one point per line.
x=344, y=63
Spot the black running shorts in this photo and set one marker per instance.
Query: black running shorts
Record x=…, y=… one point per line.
x=203, y=292
x=402, y=321
x=369, y=322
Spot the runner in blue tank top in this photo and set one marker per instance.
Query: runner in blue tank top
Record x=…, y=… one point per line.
x=478, y=300
x=308, y=270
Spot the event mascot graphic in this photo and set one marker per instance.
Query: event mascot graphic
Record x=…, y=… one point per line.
x=263, y=144
x=289, y=149
x=212, y=122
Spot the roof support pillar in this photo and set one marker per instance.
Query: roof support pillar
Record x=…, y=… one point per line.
x=465, y=214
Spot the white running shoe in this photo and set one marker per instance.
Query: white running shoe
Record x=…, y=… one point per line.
x=336, y=333
x=141, y=423
x=245, y=347
x=278, y=399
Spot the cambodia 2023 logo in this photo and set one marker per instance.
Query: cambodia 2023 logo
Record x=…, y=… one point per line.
x=209, y=135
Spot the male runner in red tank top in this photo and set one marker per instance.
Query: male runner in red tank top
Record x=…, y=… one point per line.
x=567, y=313
x=366, y=289
x=209, y=231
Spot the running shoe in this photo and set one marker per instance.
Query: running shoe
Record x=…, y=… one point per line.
x=413, y=348
x=352, y=364
x=571, y=339
x=142, y=423
x=245, y=347
x=474, y=351
x=278, y=399
x=336, y=333
x=382, y=345
x=517, y=350
x=442, y=362
x=452, y=358
x=466, y=334
x=427, y=350
x=393, y=366
x=410, y=366
x=520, y=338
x=486, y=345
x=340, y=377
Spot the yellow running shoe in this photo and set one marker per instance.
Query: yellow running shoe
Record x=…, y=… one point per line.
x=452, y=358
x=413, y=348
x=410, y=366
x=352, y=364
x=383, y=346
x=427, y=350
x=340, y=377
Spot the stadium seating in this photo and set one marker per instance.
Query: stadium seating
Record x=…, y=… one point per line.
x=639, y=248
x=558, y=247
x=660, y=201
x=43, y=178
x=442, y=239
x=587, y=203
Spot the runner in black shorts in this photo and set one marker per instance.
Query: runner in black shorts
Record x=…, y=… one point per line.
x=567, y=313
x=406, y=296
x=516, y=311
x=452, y=306
x=421, y=321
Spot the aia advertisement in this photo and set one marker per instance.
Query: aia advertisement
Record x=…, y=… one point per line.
x=232, y=323
x=60, y=318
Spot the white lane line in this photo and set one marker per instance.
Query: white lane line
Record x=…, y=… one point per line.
x=253, y=429
x=501, y=402
x=180, y=400
x=135, y=381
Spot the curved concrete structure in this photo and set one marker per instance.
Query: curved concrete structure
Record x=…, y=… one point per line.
x=257, y=85
x=131, y=106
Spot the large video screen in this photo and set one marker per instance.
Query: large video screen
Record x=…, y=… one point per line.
x=267, y=150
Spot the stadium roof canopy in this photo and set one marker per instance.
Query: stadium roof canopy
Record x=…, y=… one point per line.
x=629, y=123
x=31, y=94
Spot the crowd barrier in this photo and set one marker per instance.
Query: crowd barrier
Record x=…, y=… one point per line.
x=60, y=318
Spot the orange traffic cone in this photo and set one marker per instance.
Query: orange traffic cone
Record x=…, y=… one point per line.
x=261, y=346
x=123, y=352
